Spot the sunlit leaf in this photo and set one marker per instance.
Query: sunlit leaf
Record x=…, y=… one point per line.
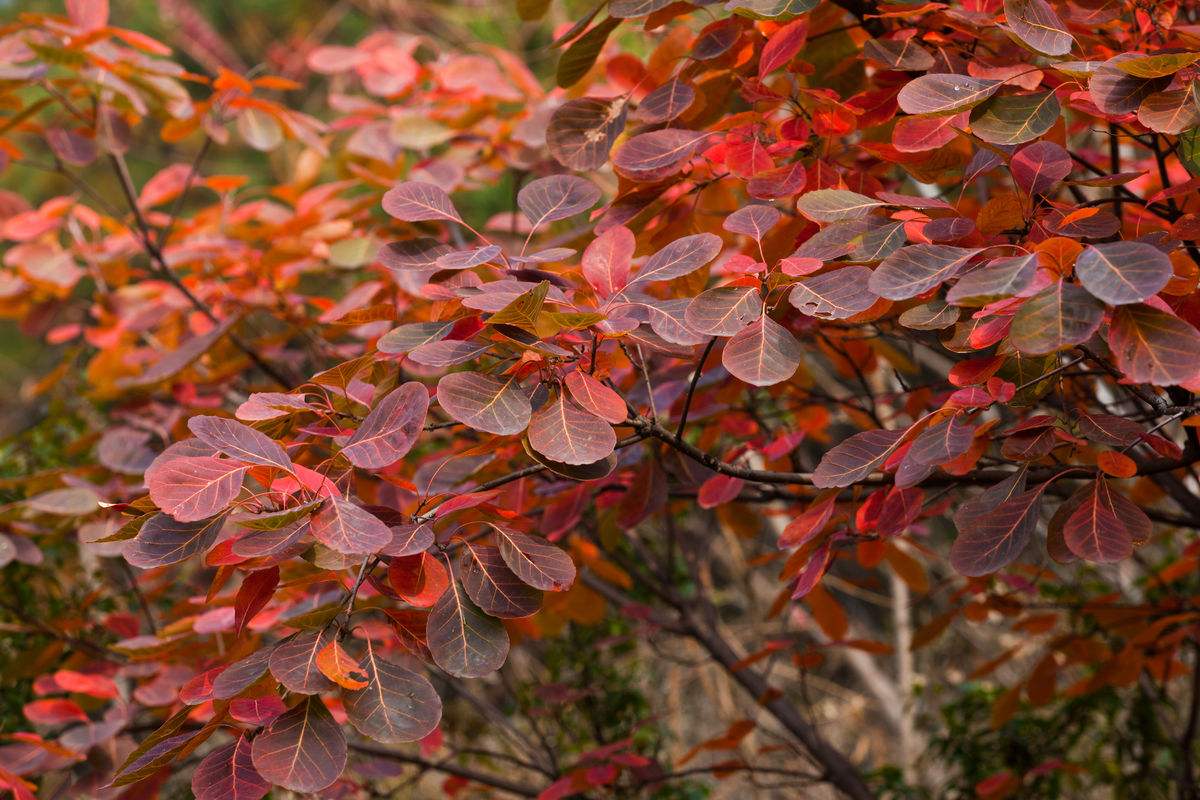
x=679, y=258
x=420, y=579
x=919, y=134
x=831, y=205
x=469, y=258
x=340, y=667
x=782, y=46
x=1000, y=277
x=1156, y=65
x=1035, y=24
x=596, y=398
x=658, y=149
x=944, y=93
x=563, y=431
x=239, y=441
x=723, y=311
x=259, y=129
x=193, y=488
x=348, y=528
x=753, y=221
x=1039, y=166
x=902, y=54
x=770, y=9
x=762, y=354
x=1172, y=112
x=1015, y=119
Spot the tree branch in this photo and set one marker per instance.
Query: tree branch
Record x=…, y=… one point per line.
x=450, y=768
x=159, y=267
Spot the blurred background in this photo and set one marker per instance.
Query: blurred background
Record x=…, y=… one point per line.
x=260, y=36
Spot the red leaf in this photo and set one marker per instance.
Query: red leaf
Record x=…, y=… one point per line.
x=88, y=15
x=83, y=683
x=239, y=442
x=809, y=523
x=783, y=45
x=419, y=579
x=57, y=711
x=397, y=705
x=193, y=488
x=596, y=398
x=564, y=432
x=462, y=639
x=1105, y=525
x=255, y=592
x=607, y=259
x=348, y=528
x=719, y=490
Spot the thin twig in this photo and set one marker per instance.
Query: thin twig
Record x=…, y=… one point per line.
x=687, y=401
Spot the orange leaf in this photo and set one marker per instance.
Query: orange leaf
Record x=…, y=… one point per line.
x=225, y=183
x=1116, y=464
x=1077, y=215
x=231, y=80
x=337, y=665
x=276, y=82
x=1058, y=254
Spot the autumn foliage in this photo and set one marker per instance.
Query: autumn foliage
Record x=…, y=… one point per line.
x=704, y=323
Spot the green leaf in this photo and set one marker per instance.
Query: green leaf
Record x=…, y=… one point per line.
x=532, y=10
x=1015, y=119
x=770, y=9
x=582, y=53
x=1189, y=150
x=523, y=312
x=1156, y=66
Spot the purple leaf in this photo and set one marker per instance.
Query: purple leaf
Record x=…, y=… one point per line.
x=303, y=749
x=484, y=403
x=390, y=430
x=414, y=201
